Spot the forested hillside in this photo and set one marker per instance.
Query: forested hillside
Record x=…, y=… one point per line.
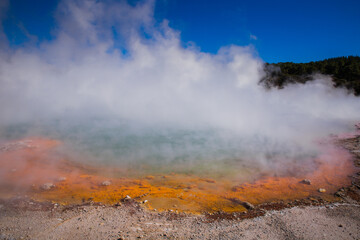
x=345, y=72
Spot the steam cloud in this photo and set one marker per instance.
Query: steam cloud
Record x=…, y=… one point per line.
x=112, y=61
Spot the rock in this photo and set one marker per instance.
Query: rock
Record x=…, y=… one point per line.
x=106, y=183
x=127, y=198
x=322, y=190
x=306, y=181
x=340, y=193
x=248, y=205
x=47, y=186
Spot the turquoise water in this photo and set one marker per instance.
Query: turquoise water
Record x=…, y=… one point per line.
x=158, y=149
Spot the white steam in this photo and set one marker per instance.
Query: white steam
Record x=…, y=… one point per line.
x=113, y=61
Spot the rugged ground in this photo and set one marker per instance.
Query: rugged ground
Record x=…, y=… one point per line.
x=25, y=219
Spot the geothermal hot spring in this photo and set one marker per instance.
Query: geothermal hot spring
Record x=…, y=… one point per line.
x=199, y=170
x=103, y=111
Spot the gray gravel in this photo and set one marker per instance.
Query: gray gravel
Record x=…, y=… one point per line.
x=337, y=221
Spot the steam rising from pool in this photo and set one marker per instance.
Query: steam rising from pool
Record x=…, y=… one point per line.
x=119, y=88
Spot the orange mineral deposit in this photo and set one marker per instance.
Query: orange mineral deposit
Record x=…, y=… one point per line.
x=33, y=167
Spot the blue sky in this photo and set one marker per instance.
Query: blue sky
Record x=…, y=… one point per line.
x=298, y=31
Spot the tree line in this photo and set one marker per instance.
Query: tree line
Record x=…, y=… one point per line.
x=345, y=72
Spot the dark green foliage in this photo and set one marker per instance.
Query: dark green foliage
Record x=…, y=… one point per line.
x=345, y=72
